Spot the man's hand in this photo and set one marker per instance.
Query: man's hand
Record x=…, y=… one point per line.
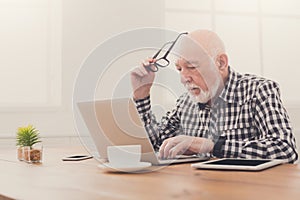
x=142, y=80
x=184, y=144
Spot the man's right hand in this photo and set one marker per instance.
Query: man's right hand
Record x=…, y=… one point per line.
x=142, y=80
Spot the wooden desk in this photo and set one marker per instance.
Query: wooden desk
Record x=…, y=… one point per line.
x=55, y=179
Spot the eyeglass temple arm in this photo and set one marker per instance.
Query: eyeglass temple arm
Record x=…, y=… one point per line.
x=171, y=47
x=157, y=53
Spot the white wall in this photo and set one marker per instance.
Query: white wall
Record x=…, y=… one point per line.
x=84, y=25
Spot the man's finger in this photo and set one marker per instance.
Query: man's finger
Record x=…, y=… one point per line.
x=161, y=149
x=170, y=144
x=140, y=71
x=178, y=149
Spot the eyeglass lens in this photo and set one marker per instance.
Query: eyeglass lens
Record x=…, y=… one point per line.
x=163, y=61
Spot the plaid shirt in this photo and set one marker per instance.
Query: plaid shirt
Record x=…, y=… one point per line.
x=248, y=116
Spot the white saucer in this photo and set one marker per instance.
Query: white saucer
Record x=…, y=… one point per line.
x=124, y=168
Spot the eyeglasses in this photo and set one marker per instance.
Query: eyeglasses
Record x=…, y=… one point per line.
x=162, y=61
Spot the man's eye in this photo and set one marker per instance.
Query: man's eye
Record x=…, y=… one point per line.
x=178, y=67
x=192, y=67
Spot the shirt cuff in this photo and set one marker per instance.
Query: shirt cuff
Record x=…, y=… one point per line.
x=143, y=105
x=218, y=149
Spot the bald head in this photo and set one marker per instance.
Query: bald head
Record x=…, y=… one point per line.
x=209, y=41
x=206, y=52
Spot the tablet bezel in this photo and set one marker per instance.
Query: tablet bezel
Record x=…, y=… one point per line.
x=210, y=164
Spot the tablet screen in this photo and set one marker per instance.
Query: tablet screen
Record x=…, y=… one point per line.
x=239, y=162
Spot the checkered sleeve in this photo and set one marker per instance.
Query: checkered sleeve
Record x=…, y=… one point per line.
x=169, y=126
x=275, y=139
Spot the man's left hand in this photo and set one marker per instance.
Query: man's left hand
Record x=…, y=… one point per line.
x=184, y=144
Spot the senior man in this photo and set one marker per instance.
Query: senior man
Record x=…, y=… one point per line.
x=223, y=113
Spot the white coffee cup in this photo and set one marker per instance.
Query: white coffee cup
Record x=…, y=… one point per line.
x=125, y=155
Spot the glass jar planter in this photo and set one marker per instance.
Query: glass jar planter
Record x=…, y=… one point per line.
x=30, y=154
x=20, y=153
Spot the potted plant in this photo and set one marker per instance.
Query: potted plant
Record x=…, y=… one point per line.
x=27, y=137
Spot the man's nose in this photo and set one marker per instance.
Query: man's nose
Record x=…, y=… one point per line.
x=185, y=77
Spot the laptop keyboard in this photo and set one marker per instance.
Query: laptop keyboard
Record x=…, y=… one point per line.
x=177, y=157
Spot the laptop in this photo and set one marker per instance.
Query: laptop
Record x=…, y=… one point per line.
x=117, y=122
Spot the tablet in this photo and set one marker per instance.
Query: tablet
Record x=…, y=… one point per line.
x=76, y=157
x=238, y=164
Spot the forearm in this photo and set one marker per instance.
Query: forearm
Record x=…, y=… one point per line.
x=168, y=127
x=270, y=148
x=149, y=121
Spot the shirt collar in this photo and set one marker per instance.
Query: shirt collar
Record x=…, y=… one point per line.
x=228, y=93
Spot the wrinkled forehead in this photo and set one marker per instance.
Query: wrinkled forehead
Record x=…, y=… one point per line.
x=183, y=62
x=191, y=52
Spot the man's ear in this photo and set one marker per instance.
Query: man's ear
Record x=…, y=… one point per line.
x=222, y=62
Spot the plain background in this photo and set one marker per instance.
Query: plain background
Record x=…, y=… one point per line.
x=44, y=43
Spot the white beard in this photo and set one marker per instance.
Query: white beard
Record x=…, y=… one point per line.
x=203, y=96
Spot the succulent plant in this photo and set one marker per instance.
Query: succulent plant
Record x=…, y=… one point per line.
x=27, y=136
